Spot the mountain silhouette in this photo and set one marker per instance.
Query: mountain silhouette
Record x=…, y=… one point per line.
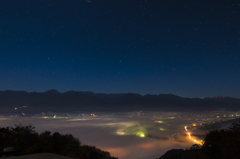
x=89, y=101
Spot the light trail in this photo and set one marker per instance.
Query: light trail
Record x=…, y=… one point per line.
x=199, y=142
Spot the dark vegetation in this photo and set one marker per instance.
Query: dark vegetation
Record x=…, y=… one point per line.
x=25, y=140
x=218, y=144
x=53, y=100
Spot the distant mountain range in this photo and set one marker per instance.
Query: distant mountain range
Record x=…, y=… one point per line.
x=53, y=100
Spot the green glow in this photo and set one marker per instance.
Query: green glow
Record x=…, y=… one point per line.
x=161, y=129
x=141, y=134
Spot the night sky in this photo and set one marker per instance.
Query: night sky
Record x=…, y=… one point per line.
x=189, y=48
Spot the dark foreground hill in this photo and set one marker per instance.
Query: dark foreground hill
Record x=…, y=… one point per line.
x=218, y=144
x=24, y=140
x=89, y=101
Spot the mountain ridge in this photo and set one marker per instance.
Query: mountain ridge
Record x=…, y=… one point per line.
x=80, y=100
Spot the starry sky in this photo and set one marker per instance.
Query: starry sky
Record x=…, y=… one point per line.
x=184, y=47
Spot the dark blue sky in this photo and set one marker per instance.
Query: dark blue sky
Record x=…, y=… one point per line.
x=187, y=48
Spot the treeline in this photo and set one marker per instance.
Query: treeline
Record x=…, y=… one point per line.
x=24, y=140
x=218, y=144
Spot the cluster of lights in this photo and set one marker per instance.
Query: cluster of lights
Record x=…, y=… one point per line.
x=55, y=117
x=139, y=134
x=21, y=107
x=93, y=115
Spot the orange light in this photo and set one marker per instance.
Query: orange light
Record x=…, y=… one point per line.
x=194, y=124
x=158, y=121
x=200, y=142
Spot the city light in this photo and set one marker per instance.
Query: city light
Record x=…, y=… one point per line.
x=194, y=124
x=158, y=121
x=93, y=115
x=120, y=133
x=140, y=134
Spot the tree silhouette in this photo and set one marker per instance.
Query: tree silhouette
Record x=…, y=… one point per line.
x=218, y=144
x=25, y=140
x=224, y=143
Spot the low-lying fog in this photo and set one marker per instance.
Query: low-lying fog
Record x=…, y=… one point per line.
x=124, y=137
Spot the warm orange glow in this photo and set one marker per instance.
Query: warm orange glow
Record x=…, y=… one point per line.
x=117, y=151
x=147, y=145
x=199, y=142
x=158, y=121
x=3, y=118
x=93, y=115
x=194, y=124
x=15, y=108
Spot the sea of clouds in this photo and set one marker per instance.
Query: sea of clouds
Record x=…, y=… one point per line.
x=123, y=137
